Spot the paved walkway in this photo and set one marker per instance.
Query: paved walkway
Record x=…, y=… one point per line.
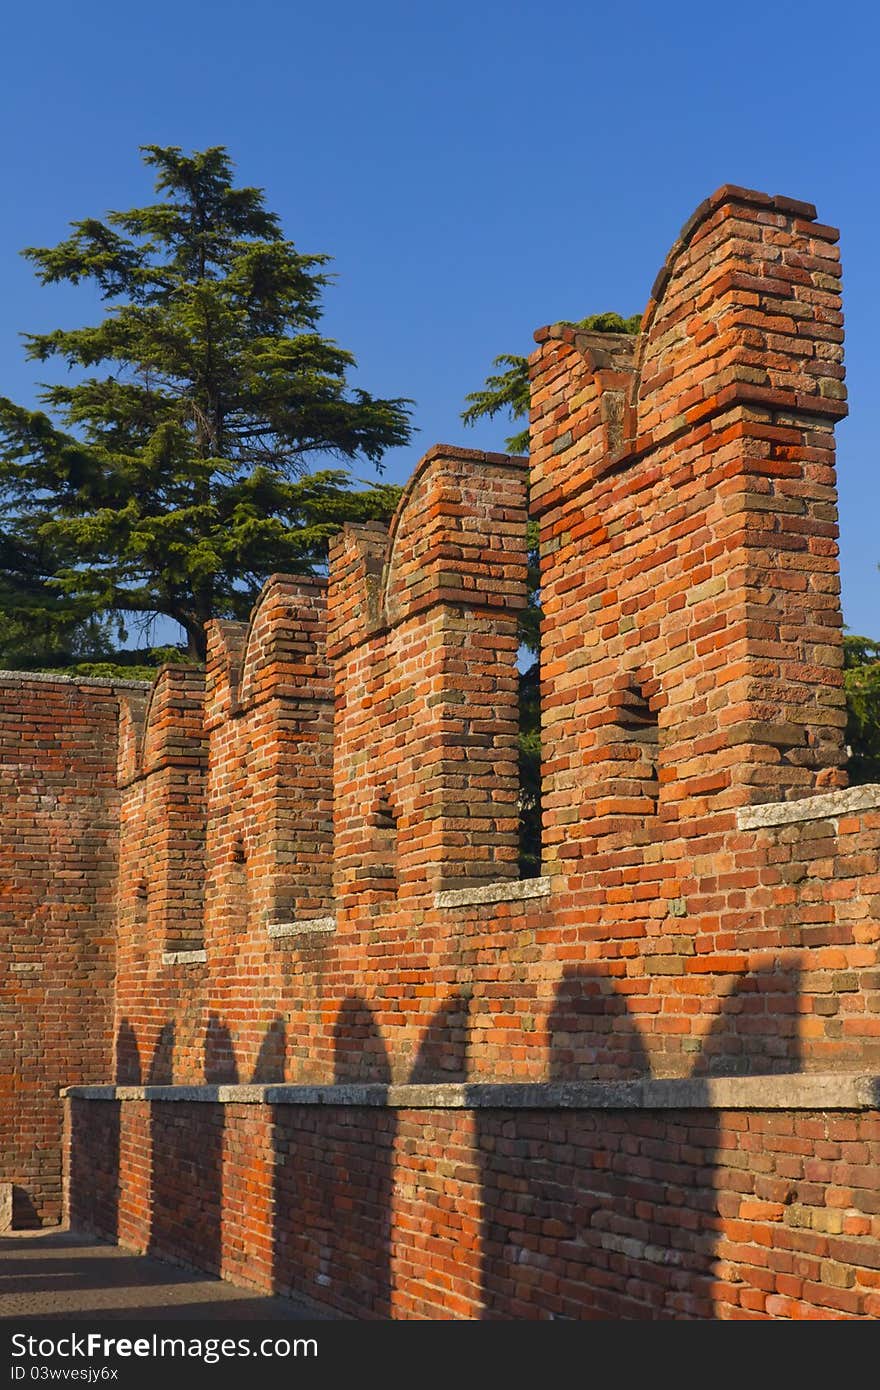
x=58, y=1274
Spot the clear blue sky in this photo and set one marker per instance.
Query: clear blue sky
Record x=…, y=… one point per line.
x=476, y=170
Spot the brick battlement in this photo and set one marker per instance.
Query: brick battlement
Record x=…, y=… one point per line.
x=298, y=868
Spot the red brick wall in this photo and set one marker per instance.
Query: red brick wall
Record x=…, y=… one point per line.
x=684, y=482
x=711, y=895
x=685, y=486
x=423, y=634
x=501, y=1213
x=58, y=836
x=269, y=729
x=162, y=778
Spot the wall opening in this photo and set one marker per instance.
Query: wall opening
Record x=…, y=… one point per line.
x=140, y=909
x=238, y=885
x=529, y=798
x=637, y=718
x=529, y=663
x=385, y=830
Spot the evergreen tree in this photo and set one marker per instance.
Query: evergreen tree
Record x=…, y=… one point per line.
x=861, y=676
x=37, y=626
x=175, y=475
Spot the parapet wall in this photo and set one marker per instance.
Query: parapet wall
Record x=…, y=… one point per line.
x=317, y=879
x=59, y=834
x=669, y=1200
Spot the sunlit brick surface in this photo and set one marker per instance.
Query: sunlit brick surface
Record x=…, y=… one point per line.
x=313, y=851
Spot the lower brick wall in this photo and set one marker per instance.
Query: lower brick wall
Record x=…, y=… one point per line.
x=456, y=1210
x=58, y=850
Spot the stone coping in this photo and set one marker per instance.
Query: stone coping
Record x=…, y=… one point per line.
x=793, y=1091
x=826, y=806
x=195, y=957
x=308, y=926
x=55, y=678
x=505, y=890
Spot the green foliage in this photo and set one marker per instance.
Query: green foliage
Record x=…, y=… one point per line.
x=508, y=390
x=36, y=624
x=505, y=390
x=530, y=771
x=862, y=681
x=176, y=472
x=128, y=664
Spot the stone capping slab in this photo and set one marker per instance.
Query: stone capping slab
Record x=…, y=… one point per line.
x=309, y=926
x=505, y=890
x=793, y=1091
x=7, y=1207
x=53, y=678
x=827, y=806
x=184, y=957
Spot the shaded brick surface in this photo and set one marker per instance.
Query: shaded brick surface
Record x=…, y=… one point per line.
x=499, y=1213
x=58, y=850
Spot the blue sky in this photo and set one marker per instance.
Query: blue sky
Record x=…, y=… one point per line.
x=476, y=170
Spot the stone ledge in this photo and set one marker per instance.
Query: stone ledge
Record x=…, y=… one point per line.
x=794, y=1091
x=103, y=682
x=309, y=926
x=503, y=891
x=184, y=957
x=7, y=1207
x=826, y=806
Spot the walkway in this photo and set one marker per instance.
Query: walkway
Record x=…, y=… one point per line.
x=58, y=1274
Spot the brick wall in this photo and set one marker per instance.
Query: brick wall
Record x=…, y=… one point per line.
x=318, y=842
x=710, y=887
x=503, y=1209
x=58, y=838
